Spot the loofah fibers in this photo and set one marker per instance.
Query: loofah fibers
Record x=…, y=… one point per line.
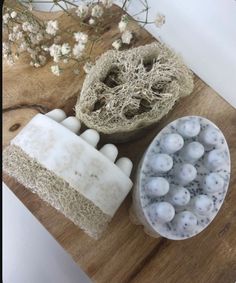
x=55, y=191
x=126, y=91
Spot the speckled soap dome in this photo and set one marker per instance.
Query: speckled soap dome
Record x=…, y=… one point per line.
x=182, y=179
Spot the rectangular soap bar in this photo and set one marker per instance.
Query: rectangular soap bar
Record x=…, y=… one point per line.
x=73, y=159
x=69, y=173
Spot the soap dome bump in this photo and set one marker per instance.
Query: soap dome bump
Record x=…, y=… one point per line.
x=55, y=191
x=129, y=90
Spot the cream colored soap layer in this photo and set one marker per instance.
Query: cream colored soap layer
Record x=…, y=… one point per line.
x=71, y=158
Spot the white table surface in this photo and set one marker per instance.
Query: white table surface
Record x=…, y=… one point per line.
x=30, y=253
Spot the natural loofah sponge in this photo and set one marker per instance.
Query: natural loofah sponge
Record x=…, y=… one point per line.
x=55, y=191
x=126, y=91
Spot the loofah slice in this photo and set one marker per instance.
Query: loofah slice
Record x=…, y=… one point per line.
x=126, y=91
x=55, y=191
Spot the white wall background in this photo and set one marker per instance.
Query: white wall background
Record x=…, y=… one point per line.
x=204, y=33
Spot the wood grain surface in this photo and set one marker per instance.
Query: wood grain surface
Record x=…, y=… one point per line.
x=125, y=254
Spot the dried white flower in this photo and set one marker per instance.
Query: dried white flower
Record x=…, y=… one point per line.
x=23, y=46
x=19, y=35
x=52, y=27
x=65, y=49
x=78, y=49
x=91, y=21
x=87, y=67
x=5, y=49
x=13, y=14
x=33, y=39
x=82, y=10
x=81, y=37
x=16, y=28
x=10, y=60
x=65, y=61
x=160, y=20
x=37, y=65
x=122, y=25
x=56, y=70
x=33, y=56
x=97, y=11
x=25, y=26
x=126, y=37
x=30, y=7
x=33, y=28
x=107, y=3
x=11, y=36
x=45, y=48
x=16, y=56
x=39, y=36
x=117, y=44
x=5, y=18
x=55, y=52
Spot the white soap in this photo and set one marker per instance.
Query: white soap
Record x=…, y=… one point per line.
x=72, y=123
x=185, y=221
x=157, y=186
x=74, y=160
x=57, y=115
x=213, y=183
x=161, y=212
x=216, y=158
x=210, y=137
x=125, y=165
x=193, y=151
x=195, y=171
x=161, y=163
x=110, y=151
x=202, y=204
x=171, y=143
x=189, y=128
x=91, y=136
x=185, y=173
x=179, y=196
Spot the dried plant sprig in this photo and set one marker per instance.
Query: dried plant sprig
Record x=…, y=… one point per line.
x=42, y=40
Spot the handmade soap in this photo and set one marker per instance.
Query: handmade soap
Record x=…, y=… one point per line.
x=191, y=156
x=213, y=183
x=179, y=196
x=193, y=151
x=171, y=143
x=157, y=187
x=66, y=170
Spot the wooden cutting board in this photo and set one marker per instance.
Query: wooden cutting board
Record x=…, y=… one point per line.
x=125, y=254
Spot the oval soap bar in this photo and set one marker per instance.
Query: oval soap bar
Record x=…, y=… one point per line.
x=187, y=168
